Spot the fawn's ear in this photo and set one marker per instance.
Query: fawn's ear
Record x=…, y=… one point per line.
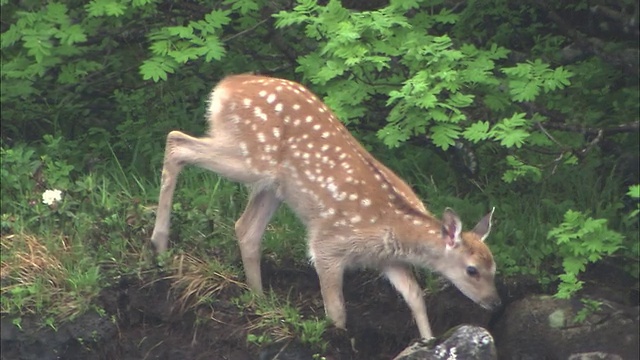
x=451, y=228
x=483, y=228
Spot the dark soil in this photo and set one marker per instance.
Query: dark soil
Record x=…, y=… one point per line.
x=142, y=322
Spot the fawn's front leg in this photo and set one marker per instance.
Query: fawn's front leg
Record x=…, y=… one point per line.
x=405, y=283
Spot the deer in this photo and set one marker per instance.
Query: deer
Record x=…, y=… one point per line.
x=280, y=140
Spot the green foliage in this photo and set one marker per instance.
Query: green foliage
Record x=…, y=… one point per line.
x=428, y=80
x=589, y=308
x=89, y=93
x=527, y=80
x=176, y=45
x=581, y=240
x=278, y=320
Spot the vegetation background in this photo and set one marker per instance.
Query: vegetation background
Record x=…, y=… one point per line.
x=529, y=106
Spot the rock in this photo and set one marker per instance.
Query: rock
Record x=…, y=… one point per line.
x=594, y=356
x=462, y=342
x=543, y=327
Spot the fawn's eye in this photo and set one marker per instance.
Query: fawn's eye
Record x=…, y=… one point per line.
x=472, y=271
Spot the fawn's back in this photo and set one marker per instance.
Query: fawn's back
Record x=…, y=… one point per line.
x=289, y=140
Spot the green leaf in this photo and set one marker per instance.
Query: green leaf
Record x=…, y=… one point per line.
x=213, y=49
x=217, y=18
x=477, y=131
x=243, y=6
x=39, y=46
x=156, y=69
x=97, y=8
x=427, y=101
x=524, y=90
x=392, y=136
x=405, y=4
x=183, y=32
x=514, y=137
x=57, y=13
x=139, y=3
x=438, y=115
x=160, y=48
x=444, y=135
x=114, y=8
x=73, y=34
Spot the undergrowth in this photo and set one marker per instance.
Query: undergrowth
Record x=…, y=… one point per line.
x=66, y=234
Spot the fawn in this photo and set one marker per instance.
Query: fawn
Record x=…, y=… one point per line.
x=283, y=142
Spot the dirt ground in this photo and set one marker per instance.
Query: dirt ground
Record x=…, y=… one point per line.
x=142, y=321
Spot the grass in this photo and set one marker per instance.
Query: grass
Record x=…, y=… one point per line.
x=278, y=320
x=56, y=258
x=196, y=281
x=49, y=278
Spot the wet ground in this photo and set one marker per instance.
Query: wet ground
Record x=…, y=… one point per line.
x=142, y=320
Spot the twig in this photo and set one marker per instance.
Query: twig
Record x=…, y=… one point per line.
x=231, y=37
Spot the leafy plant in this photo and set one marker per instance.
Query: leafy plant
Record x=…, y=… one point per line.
x=589, y=307
x=278, y=320
x=581, y=240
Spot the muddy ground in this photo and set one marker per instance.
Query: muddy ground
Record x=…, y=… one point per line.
x=142, y=322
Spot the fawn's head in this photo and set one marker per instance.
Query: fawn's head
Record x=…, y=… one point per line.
x=467, y=260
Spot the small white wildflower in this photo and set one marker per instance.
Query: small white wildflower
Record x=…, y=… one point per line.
x=50, y=197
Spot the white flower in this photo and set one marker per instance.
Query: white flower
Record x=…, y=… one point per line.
x=50, y=197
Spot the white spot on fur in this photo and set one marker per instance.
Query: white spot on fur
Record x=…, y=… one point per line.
x=257, y=111
x=271, y=98
x=243, y=148
x=365, y=202
x=278, y=107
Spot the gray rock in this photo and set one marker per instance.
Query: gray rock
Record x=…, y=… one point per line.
x=463, y=342
x=543, y=327
x=594, y=356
